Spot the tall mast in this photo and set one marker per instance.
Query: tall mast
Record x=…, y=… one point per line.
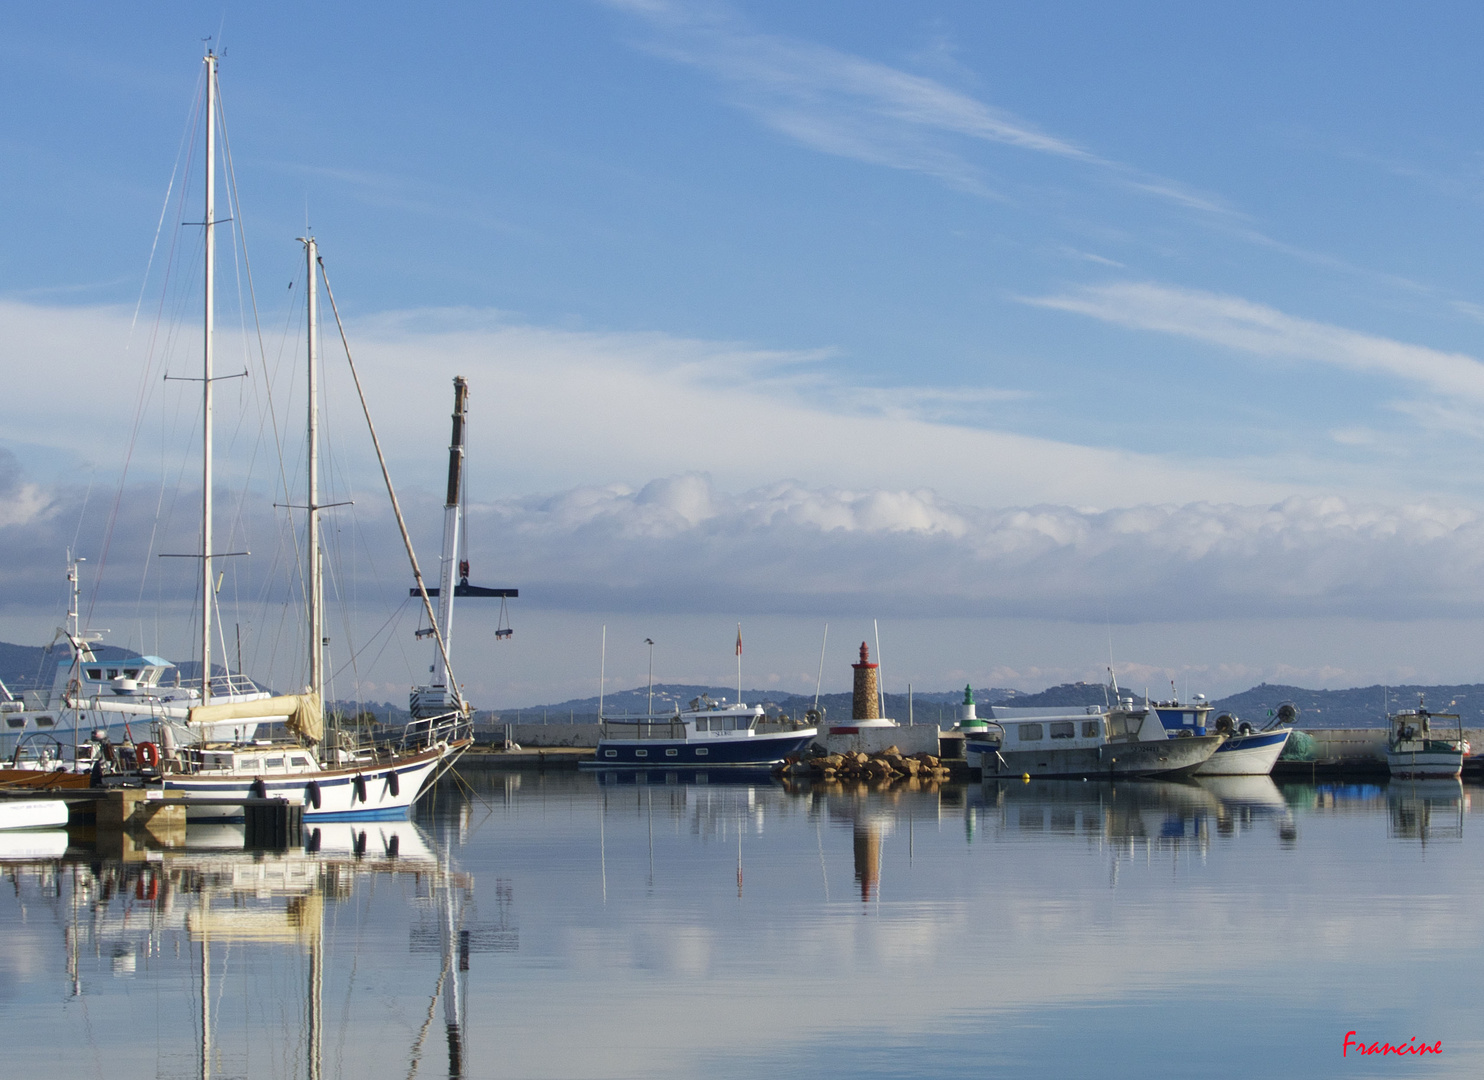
x=207, y=593
x=451, y=511
x=316, y=587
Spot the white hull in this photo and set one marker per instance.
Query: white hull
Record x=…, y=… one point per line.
x=1247, y=755
x=1425, y=764
x=33, y=814
x=372, y=790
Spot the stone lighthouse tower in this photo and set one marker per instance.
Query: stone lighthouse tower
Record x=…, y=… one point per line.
x=866, y=704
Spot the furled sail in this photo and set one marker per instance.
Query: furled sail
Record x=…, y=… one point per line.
x=301, y=713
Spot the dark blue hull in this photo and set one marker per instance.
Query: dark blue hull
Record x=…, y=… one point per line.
x=755, y=750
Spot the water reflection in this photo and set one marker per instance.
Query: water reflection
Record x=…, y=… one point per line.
x=670, y=926
x=1426, y=810
x=216, y=906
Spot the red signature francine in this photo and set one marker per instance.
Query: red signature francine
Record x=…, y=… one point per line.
x=1411, y=1046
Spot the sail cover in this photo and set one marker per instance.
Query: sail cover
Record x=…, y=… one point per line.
x=300, y=713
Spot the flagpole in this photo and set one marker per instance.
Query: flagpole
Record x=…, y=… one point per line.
x=739, y=663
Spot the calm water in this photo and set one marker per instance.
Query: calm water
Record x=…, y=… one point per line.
x=573, y=928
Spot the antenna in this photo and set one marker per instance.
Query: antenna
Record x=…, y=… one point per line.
x=820, y=678
x=880, y=673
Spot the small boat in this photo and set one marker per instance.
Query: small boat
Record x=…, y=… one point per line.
x=1415, y=752
x=1247, y=751
x=1121, y=740
x=706, y=734
x=32, y=814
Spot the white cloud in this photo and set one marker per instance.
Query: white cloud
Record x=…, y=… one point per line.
x=842, y=104
x=1239, y=324
x=679, y=544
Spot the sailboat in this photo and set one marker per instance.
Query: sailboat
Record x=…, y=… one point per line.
x=331, y=780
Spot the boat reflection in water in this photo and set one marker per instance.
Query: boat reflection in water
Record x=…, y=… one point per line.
x=1426, y=810
x=241, y=912
x=1149, y=814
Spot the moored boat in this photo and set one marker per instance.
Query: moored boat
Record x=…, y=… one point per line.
x=32, y=814
x=1247, y=750
x=1414, y=751
x=707, y=734
x=1096, y=742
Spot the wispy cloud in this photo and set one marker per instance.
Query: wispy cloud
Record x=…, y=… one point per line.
x=842, y=104
x=1239, y=324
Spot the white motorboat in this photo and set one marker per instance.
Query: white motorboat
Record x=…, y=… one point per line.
x=32, y=814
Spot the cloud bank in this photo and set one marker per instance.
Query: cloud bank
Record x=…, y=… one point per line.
x=679, y=544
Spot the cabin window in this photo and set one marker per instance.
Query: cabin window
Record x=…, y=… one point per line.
x=273, y=763
x=95, y=673
x=703, y=725
x=131, y=673
x=610, y=753
x=671, y=753
x=1063, y=729
x=15, y=721
x=303, y=761
x=46, y=721
x=1029, y=732
x=113, y=673
x=641, y=753
x=247, y=763
x=702, y=752
x=1090, y=729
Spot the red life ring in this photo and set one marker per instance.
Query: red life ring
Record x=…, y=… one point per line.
x=147, y=754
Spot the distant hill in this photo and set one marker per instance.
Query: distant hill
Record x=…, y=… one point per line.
x=1363, y=706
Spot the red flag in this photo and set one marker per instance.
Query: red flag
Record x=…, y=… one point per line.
x=739, y=639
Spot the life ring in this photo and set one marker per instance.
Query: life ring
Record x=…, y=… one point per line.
x=147, y=754
x=393, y=785
x=258, y=790
x=359, y=784
x=311, y=793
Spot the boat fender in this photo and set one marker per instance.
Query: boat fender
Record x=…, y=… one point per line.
x=359, y=784
x=1244, y=728
x=393, y=785
x=258, y=790
x=311, y=793
x=148, y=755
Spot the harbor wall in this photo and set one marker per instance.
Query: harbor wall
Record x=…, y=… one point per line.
x=1369, y=744
x=909, y=739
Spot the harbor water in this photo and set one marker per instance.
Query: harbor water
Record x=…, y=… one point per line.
x=572, y=925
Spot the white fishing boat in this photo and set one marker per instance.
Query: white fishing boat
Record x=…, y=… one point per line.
x=1121, y=740
x=331, y=778
x=1247, y=750
x=1416, y=751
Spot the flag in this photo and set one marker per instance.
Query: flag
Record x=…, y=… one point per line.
x=739, y=639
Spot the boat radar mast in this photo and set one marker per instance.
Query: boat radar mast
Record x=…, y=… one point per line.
x=441, y=695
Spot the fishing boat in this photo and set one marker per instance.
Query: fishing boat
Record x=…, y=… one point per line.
x=706, y=734
x=324, y=771
x=1247, y=749
x=1114, y=741
x=1414, y=751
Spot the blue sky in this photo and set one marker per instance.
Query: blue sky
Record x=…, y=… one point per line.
x=1145, y=314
